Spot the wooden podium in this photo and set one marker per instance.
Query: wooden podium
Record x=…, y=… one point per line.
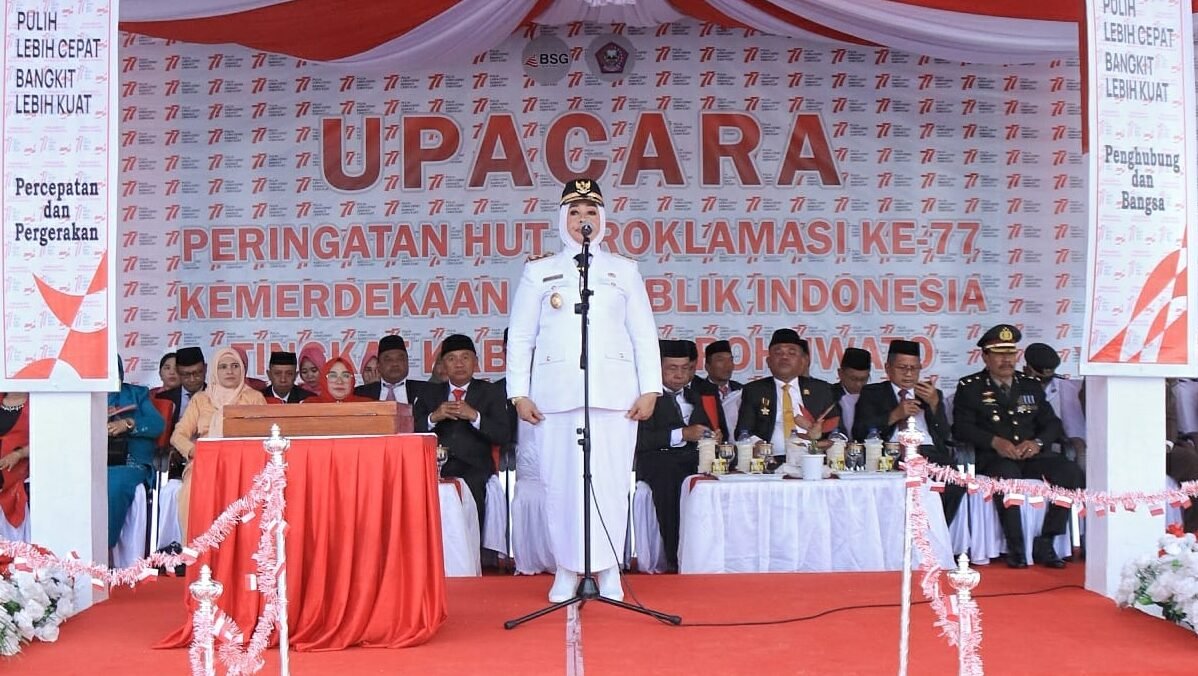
x=319, y=420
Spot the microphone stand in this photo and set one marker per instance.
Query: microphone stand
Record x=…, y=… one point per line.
x=588, y=587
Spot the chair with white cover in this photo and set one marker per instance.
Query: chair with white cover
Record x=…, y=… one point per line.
x=168, y=513
x=985, y=536
x=459, y=529
x=1173, y=514
x=494, y=534
x=650, y=549
x=131, y=545
x=530, y=527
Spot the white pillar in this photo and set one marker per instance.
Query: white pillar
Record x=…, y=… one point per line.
x=1125, y=429
x=69, y=479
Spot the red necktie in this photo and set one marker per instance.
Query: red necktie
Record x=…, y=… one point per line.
x=458, y=394
x=903, y=394
x=724, y=389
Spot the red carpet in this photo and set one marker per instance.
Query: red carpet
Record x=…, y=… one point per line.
x=1069, y=631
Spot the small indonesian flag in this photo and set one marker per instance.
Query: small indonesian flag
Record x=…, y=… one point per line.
x=938, y=486
x=1175, y=502
x=1012, y=500
x=147, y=574
x=1036, y=501
x=247, y=517
x=1156, y=510
x=189, y=555
x=1081, y=512
x=1129, y=505
x=98, y=583
x=1062, y=501
x=1099, y=510
x=972, y=487
x=251, y=581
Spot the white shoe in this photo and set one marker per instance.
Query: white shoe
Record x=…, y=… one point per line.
x=564, y=584
x=609, y=584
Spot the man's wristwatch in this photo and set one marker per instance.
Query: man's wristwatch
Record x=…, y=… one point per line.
x=515, y=400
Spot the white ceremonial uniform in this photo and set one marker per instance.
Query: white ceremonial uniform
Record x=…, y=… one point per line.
x=543, y=364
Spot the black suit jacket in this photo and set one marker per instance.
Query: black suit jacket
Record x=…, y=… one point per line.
x=703, y=387
x=759, y=405
x=981, y=412
x=175, y=394
x=295, y=396
x=876, y=402
x=654, y=434
x=415, y=389
x=470, y=445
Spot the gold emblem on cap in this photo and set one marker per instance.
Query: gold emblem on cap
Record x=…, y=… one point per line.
x=1005, y=334
x=582, y=186
x=556, y=300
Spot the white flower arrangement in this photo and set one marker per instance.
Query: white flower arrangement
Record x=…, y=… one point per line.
x=32, y=606
x=1168, y=580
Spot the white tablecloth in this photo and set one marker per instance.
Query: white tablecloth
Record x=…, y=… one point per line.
x=772, y=525
x=459, y=529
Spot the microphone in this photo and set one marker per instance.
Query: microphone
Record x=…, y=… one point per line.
x=587, y=229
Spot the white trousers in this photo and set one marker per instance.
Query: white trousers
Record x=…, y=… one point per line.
x=613, y=441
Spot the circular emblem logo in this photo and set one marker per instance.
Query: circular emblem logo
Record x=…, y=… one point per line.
x=546, y=59
x=611, y=57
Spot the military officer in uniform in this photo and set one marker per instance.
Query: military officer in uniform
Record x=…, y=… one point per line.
x=545, y=384
x=1005, y=416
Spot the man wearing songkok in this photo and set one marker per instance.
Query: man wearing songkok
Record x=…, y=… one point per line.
x=189, y=364
x=282, y=389
x=771, y=408
x=393, y=383
x=855, y=366
x=1006, y=418
x=667, y=443
x=1064, y=395
x=717, y=358
x=887, y=405
x=468, y=416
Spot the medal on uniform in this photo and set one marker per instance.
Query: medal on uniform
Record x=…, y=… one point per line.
x=555, y=301
x=994, y=417
x=765, y=406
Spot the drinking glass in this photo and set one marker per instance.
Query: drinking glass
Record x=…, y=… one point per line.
x=854, y=458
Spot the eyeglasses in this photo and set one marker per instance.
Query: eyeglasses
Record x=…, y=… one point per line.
x=906, y=368
x=339, y=376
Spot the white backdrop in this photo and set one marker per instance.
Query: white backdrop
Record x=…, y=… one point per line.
x=875, y=194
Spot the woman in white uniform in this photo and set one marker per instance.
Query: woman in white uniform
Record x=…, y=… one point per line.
x=545, y=384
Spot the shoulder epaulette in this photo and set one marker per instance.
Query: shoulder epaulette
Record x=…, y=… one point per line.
x=538, y=257
x=969, y=379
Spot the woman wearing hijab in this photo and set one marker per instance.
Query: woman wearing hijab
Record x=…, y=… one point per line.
x=133, y=427
x=204, y=417
x=311, y=364
x=14, y=460
x=338, y=377
x=625, y=381
x=370, y=364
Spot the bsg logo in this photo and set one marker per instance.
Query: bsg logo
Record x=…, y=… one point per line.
x=562, y=58
x=546, y=59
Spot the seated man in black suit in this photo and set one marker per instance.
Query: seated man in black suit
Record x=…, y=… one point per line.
x=855, y=367
x=393, y=384
x=666, y=443
x=1006, y=417
x=468, y=416
x=282, y=389
x=192, y=372
x=771, y=408
x=887, y=405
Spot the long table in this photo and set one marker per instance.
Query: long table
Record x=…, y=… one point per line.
x=770, y=524
x=364, y=555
